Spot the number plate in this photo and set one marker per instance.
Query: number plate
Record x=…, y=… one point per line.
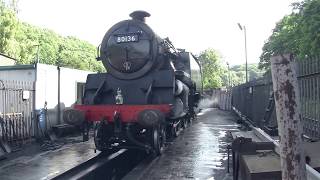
x=127, y=38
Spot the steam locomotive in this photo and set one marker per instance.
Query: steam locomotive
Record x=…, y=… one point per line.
x=150, y=90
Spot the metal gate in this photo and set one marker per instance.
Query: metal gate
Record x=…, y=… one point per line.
x=16, y=111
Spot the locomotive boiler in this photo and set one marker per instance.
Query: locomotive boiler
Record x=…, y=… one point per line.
x=150, y=89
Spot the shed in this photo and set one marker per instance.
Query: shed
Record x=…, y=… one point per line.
x=26, y=89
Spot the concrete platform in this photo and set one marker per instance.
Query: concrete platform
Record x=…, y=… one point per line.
x=261, y=166
x=200, y=152
x=265, y=165
x=35, y=165
x=312, y=150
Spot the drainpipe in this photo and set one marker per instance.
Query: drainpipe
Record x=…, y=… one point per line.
x=58, y=106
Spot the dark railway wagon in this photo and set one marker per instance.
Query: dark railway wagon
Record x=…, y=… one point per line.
x=150, y=89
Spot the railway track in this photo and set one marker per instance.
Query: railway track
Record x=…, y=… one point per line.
x=103, y=166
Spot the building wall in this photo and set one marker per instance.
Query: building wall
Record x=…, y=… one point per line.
x=6, y=61
x=17, y=102
x=47, y=90
x=69, y=80
x=45, y=80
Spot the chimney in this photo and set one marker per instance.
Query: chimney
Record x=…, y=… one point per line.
x=139, y=15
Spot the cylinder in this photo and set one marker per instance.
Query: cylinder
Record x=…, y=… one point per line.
x=73, y=117
x=150, y=118
x=178, y=88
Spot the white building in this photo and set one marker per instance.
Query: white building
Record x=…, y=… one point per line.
x=24, y=89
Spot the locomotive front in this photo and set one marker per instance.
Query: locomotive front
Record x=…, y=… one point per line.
x=130, y=48
x=149, y=90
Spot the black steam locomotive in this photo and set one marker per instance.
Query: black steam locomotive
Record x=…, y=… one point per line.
x=150, y=89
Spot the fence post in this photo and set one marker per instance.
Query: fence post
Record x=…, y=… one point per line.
x=287, y=101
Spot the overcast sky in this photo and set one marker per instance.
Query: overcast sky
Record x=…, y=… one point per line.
x=191, y=25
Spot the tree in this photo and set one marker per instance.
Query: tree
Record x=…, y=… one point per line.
x=308, y=29
x=78, y=54
x=282, y=40
x=216, y=74
x=22, y=40
x=238, y=73
x=297, y=33
x=8, y=25
x=212, y=68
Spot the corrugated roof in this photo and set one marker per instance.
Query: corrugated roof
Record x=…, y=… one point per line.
x=18, y=67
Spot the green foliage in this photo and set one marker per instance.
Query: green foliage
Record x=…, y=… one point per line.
x=72, y=50
x=216, y=73
x=8, y=25
x=22, y=40
x=238, y=73
x=212, y=68
x=297, y=33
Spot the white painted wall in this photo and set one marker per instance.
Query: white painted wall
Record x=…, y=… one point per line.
x=46, y=86
x=69, y=80
x=47, y=89
x=68, y=86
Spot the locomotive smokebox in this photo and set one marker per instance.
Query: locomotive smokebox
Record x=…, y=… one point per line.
x=140, y=15
x=130, y=48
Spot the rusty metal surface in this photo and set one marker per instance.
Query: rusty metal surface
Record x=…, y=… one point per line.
x=200, y=152
x=287, y=101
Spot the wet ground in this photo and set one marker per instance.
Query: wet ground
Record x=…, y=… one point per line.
x=200, y=152
x=32, y=165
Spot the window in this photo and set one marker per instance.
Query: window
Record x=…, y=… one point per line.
x=80, y=92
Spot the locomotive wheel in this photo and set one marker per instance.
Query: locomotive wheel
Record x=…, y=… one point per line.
x=190, y=120
x=100, y=138
x=173, y=132
x=186, y=123
x=194, y=117
x=158, y=139
x=176, y=129
x=163, y=136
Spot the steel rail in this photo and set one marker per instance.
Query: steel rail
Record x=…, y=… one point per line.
x=99, y=167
